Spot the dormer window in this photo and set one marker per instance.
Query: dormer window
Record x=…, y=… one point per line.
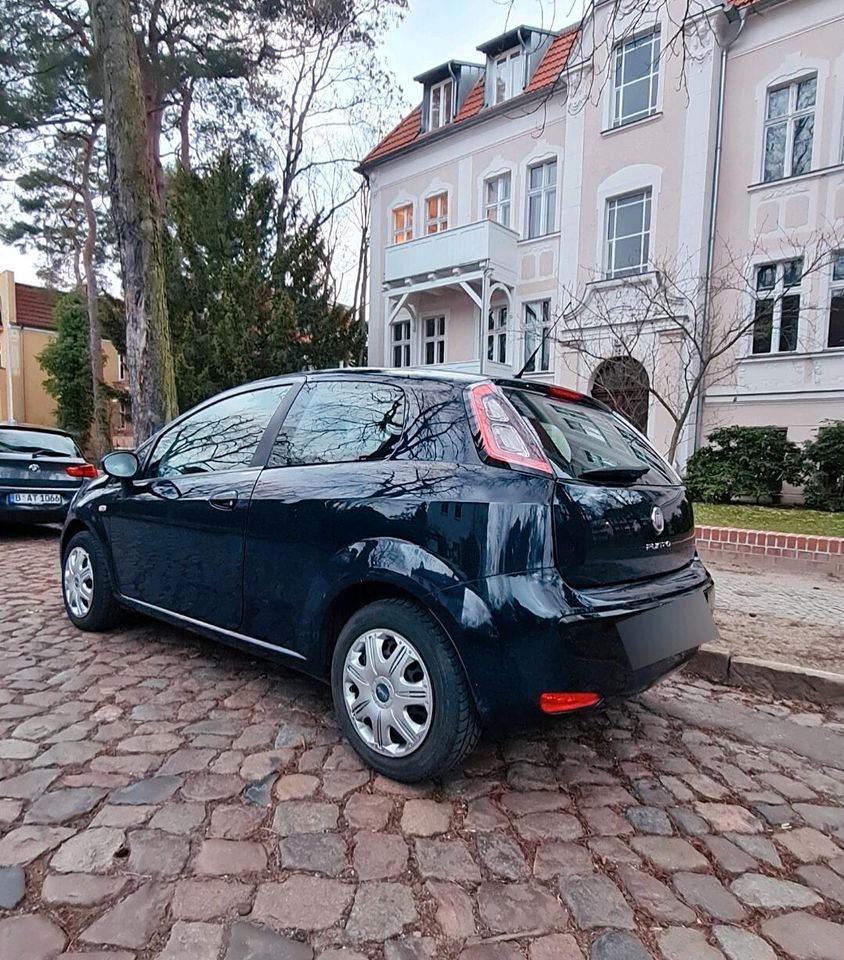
x=509, y=70
x=446, y=89
x=442, y=104
x=511, y=61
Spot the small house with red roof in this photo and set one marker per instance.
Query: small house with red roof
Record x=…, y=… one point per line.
x=26, y=327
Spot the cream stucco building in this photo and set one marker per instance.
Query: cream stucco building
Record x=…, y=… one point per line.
x=26, y=327
x=605, y=205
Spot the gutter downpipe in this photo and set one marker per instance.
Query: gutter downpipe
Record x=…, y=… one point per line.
x=713, y=203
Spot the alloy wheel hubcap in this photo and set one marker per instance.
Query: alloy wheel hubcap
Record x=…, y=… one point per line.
x=78, y=581
x=387, y=692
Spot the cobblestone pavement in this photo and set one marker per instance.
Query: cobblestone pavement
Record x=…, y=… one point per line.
x=164, y=797
x=791, y=596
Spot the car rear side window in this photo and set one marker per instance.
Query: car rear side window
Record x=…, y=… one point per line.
x=338, y=421
x=38, y=442
x=222, y=436
x=584, y=442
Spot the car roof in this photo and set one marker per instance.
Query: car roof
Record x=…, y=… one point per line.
x=391, y=375
x=408, y=373
x=35, y=426
x=429, y=375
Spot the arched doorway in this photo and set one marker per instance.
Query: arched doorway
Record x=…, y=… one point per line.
x=622, y=383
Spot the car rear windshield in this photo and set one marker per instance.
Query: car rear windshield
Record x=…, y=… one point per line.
x=37, y=442
x=587, y=443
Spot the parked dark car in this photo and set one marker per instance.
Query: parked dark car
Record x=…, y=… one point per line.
x=448, y=551
x=40, y=471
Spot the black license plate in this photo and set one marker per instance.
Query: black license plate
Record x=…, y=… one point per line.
x=664, y=631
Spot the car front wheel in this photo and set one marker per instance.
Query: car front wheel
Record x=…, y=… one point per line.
x=86, y=584
x=400, y=692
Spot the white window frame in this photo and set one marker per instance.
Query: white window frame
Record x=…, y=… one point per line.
x=836, y=290
x=400, y=342
x=619, y=85
x=775, y=295
x=433, y=336
x=439, y=222
x=533, y=331
x=546, y=194
x=790, y=120
x=506, y=68
x=121, y=367
x=402, y=234
x=496, y=338
x=611, y=239
x=498, y=207
x=444, y=91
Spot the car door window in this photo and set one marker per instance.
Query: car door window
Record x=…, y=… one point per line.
x=219, y=437
x=340, y=421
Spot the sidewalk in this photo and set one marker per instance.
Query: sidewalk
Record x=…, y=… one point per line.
x=791, y=617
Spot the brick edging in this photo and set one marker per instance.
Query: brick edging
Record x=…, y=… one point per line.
x=770, y=549
x=769, y=543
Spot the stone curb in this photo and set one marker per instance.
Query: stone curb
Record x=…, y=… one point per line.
x=781, y=679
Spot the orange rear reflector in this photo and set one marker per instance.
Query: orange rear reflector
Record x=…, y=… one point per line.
x=564, y=702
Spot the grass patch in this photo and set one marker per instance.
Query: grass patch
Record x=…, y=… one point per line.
x=780, y=519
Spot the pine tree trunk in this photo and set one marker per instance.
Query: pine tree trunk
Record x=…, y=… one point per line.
x=100, y=439
x=137, y=219
x=184, y=125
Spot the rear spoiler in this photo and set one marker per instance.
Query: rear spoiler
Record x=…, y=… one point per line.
x=551, y=390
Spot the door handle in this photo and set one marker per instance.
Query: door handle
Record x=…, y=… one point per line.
x=224, y=501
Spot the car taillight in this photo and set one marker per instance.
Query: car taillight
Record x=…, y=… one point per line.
x=567, y=702
x=563, y=393
x=87, y=470
x=504, y=436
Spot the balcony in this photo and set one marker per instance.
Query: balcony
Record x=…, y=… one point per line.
x=459, y=253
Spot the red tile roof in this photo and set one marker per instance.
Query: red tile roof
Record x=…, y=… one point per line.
x=400, y=136
x=546, y=74
x=554, y=60
x=473, y=104
x=34, y=306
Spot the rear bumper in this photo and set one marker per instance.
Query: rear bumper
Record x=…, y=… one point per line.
x=33, y=513
x=541, y=637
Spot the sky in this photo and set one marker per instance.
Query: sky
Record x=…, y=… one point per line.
x=432, y=32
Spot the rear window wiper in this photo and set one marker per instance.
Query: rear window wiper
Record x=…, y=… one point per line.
x=619, y=474
x=40, y=452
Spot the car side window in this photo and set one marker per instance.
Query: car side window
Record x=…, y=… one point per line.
x=222, y=436
x=339, y=421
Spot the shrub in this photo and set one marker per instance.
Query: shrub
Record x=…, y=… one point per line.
x=749, y=462
x=825, y=465
x=66, y=360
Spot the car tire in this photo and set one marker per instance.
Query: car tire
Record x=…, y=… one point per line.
x=446, y=724
x=84, y=567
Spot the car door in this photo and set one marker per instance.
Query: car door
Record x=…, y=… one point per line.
x=177, y=532
x=328, y=471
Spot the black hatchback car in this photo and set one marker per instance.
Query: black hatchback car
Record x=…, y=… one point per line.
x=448, y=551
x=40, y=471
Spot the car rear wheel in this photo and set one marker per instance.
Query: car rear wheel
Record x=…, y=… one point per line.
x=400, y=692
x=86, y=584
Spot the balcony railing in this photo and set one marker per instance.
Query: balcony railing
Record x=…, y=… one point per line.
x=460, y=249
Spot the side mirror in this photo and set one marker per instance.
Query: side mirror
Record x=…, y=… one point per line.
x=121, y=464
